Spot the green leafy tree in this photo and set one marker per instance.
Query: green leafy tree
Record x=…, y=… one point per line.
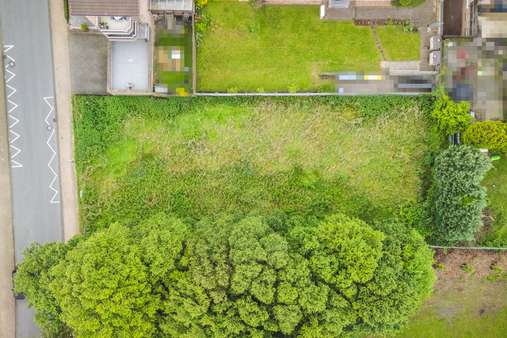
x=451, y=117
x=230, y=278
x=103, y=287
x=487, y=134
x=32, y=279
x=458, y=197
x=244, y=279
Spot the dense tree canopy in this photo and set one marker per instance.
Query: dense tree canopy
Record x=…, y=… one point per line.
x=458, y=196
x=249, y=277
x=246, y=279
x=32, y=279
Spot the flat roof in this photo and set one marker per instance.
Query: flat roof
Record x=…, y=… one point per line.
x=453, y=17
x=130, y=66
x=104, y=7
x=171, y=5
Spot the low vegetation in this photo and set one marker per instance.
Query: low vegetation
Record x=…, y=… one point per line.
x=496, y=185
x=464, y=304
x=200, y=157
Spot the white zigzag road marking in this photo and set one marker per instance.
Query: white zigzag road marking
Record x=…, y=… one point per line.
x=12, y=90
x=54, y=198
x=51, y=108
x=16, y=121
x=13, y=104
x=14, y=136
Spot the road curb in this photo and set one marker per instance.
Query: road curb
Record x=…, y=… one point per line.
x=7, y=302
x=63, y=94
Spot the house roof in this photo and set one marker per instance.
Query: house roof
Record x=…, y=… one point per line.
x=104, y=7
x=493, y=25
x=171, y=5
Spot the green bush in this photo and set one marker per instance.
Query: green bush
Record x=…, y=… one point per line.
x=230, y=277
x=487, y=134
x=451, y=117
x=407, y=3
x=458, y=197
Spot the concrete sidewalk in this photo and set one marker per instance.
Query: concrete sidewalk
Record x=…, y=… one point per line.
x=7, y=303
x=60, y=41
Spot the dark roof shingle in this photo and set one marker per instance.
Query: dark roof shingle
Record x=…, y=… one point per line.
x=104, y=7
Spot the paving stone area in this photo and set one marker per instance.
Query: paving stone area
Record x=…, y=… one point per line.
x=88, y=63
x=420, y=16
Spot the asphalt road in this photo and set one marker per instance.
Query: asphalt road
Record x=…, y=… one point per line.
x=32, y=132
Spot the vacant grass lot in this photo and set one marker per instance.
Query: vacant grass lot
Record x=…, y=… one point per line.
x=277, y=47
x=200, y=157
x=496, y=183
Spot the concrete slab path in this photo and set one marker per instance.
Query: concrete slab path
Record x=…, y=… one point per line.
x=68, y=182
x=7, y=303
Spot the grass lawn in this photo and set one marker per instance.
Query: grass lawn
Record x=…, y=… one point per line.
x=399, y=45
x=277, y=47
x=199, y=157
x=496, y=183
x=465, y=304
x=174, y=78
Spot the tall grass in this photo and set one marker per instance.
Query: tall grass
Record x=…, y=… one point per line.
x=204, y=156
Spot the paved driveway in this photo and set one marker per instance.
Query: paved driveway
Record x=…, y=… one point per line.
x=32, y=132
x=88, y=63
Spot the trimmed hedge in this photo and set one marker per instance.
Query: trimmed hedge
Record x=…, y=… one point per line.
x=458, y=197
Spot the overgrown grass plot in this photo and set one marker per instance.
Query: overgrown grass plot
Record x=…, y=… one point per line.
x=201, y=157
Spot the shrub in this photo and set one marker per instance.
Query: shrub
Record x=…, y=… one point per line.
x=407, y=3
x=451, y=117
x=458, y=197
x=487, y=134
x=201, y=3
x=84, y=27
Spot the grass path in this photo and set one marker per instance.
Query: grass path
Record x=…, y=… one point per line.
x=496, y=185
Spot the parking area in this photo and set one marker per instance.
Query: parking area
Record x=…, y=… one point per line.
x=88, y=58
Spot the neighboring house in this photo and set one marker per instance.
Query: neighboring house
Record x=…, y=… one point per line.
x=128, y=26
x=475, y=55
x=118, y=20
